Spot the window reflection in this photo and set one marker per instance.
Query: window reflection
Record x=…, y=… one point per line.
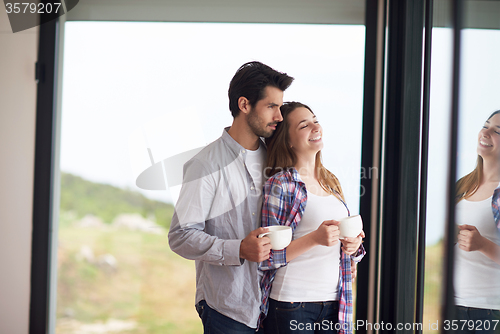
x=477, y=251
x=479, y=84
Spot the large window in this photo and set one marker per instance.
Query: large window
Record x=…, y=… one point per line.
x=135, y=93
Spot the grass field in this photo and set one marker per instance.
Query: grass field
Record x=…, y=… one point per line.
x=433, y=285
x=149, y=289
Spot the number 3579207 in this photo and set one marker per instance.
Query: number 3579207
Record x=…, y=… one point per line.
x=31, y=7
x=470, y=324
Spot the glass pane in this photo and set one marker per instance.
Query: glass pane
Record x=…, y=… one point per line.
x=439, y=134
x=138, y=93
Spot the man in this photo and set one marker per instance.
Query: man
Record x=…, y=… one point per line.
x=217, y=216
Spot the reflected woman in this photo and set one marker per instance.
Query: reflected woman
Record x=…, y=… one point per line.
x=307, y=286
x=477, y=252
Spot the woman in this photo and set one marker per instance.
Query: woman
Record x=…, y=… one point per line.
x=477, y=252
x=311, y=278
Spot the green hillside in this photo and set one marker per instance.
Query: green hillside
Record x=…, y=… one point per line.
x=85, y=197
x=119, y=280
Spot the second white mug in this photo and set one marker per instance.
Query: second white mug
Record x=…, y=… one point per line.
x=280, y=236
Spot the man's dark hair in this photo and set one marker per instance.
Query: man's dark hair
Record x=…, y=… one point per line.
x=251, y=80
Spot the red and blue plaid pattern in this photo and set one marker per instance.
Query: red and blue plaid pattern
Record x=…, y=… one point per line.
x=285, y=199
x=495, y=206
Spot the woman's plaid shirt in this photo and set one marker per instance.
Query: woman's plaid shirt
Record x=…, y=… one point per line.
x=285, y=198
x=495, y=206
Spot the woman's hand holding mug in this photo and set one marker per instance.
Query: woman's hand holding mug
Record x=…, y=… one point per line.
x=351, y=245
x=327, y=234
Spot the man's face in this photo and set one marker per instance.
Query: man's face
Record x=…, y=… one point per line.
x=264, y=116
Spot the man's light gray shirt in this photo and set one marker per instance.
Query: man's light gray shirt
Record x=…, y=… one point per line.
x=218, y=206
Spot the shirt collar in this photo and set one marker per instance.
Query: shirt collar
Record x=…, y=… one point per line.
x=295, y=175
x=234, y=145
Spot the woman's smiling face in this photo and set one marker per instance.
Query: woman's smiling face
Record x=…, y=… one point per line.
x=305, y=133
x=488, y=144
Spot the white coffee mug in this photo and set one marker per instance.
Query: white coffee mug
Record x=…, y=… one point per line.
x=280, y=236
x=350, y=227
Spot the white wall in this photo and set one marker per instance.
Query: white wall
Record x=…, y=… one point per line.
x=18, y=53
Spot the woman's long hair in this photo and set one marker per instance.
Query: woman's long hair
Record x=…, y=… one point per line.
x=468, y=185
x=280, y=156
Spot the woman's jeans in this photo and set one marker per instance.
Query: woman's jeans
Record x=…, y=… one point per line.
x=301, y=317
x=475, y=320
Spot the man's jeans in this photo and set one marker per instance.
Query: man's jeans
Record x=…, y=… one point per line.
x=285, y=317
x=216, y=323
x=476, y=320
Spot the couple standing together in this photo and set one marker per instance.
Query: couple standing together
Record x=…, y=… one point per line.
x=238, y=185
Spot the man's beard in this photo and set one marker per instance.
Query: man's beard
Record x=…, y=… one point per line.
x=257, y=125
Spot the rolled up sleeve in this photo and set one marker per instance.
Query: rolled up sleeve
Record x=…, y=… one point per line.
x=274, y=213
x=359, y=254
